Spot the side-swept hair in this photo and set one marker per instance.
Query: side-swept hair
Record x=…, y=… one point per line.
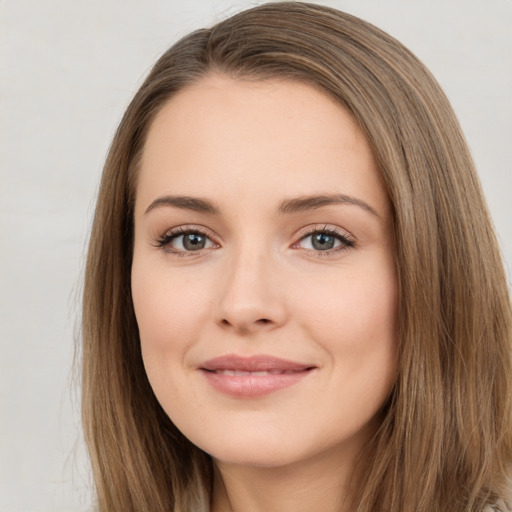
x=445, y=441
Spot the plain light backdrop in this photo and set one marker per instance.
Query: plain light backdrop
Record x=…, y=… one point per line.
x=67, y=72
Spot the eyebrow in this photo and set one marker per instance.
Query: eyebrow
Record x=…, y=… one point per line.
x=294, y=205
x=300, y=204
x=195, y=204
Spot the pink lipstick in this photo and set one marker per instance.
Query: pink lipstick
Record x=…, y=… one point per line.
x=254, y=376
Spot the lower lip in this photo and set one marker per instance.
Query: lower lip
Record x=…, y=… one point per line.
x=253, y=386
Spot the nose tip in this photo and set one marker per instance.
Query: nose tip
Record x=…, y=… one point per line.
x=246, y=318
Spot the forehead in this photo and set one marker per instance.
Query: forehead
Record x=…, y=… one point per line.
x=282, y=137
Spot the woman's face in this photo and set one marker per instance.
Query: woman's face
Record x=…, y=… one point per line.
x=263, y=275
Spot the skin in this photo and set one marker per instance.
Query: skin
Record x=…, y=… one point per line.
x=260, y=285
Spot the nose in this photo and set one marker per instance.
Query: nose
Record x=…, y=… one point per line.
x=250, y=296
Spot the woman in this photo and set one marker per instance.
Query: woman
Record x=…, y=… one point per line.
x=294, y=298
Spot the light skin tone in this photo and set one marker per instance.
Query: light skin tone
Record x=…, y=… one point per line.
x=262, y=228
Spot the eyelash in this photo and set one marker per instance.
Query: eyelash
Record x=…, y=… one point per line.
x=346, y=241
x=164, y=242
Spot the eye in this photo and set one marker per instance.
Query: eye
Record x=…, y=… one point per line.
x=185, y=240
x=325, y=240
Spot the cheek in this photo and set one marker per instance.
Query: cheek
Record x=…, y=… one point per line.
x=168, y=308
x=354, y=317
x=170, y=311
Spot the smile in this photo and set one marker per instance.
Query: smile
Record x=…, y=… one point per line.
x=252, y=377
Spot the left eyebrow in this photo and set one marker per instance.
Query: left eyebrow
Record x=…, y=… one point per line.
x=300, y=204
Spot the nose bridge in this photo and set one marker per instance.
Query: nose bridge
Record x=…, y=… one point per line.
x=248, y=296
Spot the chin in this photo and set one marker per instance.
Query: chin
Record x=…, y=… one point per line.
x=256, y=449
x=274, y=449
x=255, y=458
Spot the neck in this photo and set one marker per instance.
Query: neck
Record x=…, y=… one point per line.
x=308, y=486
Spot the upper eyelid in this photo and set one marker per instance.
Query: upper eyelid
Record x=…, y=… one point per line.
x=312, y=228
x=188, y=228
x=162, y=240
x=345, y=237
x=329, y=228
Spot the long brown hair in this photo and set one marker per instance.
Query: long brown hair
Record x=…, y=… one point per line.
x=445, y=441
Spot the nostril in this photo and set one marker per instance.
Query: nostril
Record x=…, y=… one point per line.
x=244, y=324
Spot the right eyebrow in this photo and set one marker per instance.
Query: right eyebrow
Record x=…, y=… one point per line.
x=195, y=204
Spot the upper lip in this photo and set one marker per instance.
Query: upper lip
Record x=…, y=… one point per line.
x=256, y=363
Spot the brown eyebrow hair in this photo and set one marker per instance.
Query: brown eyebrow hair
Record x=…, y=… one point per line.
x=186, y=203
x=287, y=206
x=311, y=202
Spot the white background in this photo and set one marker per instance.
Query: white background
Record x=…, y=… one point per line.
x=68, y=70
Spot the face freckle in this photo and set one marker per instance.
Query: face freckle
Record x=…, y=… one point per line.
x=263, y=276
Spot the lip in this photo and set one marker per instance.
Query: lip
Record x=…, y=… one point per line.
x=253, y=376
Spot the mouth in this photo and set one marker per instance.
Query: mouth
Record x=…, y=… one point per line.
x=254, y=376
x=257, y=373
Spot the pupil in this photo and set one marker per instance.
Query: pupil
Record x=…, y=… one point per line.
x=193, y=242
x=323, y=242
